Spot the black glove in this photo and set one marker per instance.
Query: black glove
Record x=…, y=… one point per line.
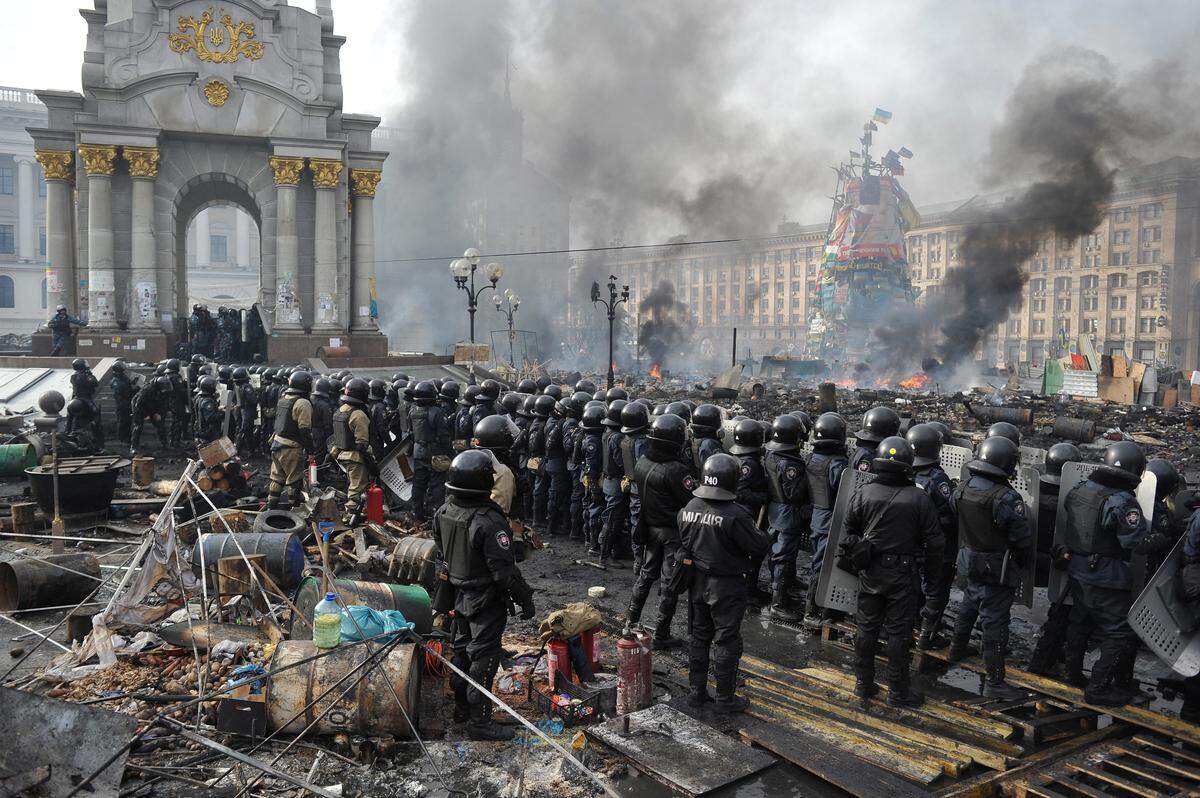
x=520, y=592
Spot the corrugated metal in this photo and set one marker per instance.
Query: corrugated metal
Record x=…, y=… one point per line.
x=20, y=388
x=1080, y=383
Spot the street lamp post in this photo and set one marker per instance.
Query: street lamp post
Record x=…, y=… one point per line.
x=611, y=307
x=508, y=307
x=463, y=271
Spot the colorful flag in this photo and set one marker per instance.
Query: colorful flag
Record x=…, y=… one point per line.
x=881, y=115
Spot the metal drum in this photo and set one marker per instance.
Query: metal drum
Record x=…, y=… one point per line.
x=52, y=581
x=369, y=707
x=411, y=600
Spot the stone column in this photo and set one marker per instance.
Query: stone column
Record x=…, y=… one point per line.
x=243, y=238
x=60, y=247
x=326, y=173
x=143, y=276
x=203, y=240
x=98, y=160
x=287, y=246
x=362, y=220
x=26, y=233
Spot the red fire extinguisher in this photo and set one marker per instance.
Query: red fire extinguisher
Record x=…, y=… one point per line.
x=312, y=472
x=375, y=504
x=558, y=663
x=634, y=672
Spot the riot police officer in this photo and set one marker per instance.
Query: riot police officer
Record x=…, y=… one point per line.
x=475, y=545
x=752, y=491
x=897, y=524
x=635, y=421
x=81, y=427
x=522, y=416
x=463, y=428
x=206, y=416
x=1050, y=648
x=432, y=450
x=152, y=402
x=378, y=414
x=616, y=392
x=878, y=423
x=705, y=424
x=543, y=406
x=60, y=329
x=83, y=386
x=322, y=418
x=558, y=488
x=571, y=433
x=1003, y=429
x=123, y=391
x=616, y=498
x=1105, y=527
x=994, y=543
x=665, y=486
x=926, y=443
x=497, y=434
x=591, y=468
x=193, y=372
x=292, y=439
x=352, y=443
x=722, y=543
x=246, y=399
x=268, y=397
x=826, y=465
x=787, y=483
x=180, y=402
x=485, y=402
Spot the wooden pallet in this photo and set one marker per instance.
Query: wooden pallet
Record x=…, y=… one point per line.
x=1044, y=720
x=1146, y=766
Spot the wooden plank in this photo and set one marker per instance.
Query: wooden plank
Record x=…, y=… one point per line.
x=1097, y=772
x=1137, y=716
x=1145, y=770
x=923, y=766
x=1077, y=787
x=869, y=719
x=1166, y=747
x=1163, y=763
x=679, y=751
x=852, y=774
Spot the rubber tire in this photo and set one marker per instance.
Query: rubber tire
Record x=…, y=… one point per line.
x=279, y=521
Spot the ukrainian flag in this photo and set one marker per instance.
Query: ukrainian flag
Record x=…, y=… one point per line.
x=882, y=116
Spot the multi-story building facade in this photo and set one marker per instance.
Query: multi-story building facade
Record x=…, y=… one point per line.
x=1131, y=284
x=22, y=215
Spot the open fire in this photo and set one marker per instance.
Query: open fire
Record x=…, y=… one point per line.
x=656, y=372
x=917, y=382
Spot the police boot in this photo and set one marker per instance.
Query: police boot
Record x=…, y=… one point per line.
x=462, y=705
x=1102, y=688
x=900, y=691
x=781, y=599
x=481, y=726
x=634, y=614
x=812, y=613
x=728, y=702
x=1124, y=680
x=698, y=697
x=960, y=648
x=930, y=639
x=994, y=685
x=663, y=641
x=272, y=501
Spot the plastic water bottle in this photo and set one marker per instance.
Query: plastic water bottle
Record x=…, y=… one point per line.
x=327, y=622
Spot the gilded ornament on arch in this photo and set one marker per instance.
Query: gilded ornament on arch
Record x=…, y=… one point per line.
x=98, y=159
x=325, y=172
x=365, y=181
x=287, y=170
x=143, y=161
x=199, y=34
x=57, y=164
x=216, y=92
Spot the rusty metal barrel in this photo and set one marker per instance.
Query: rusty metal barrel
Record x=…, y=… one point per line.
x=827, y=397
x=368, y=708
x=411, y=600
x=1075, y=429
x=29, y=584
x=1020, y=416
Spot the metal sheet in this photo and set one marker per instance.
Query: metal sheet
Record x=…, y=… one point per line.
x=24, y=386
x=1165, y=621
x=1072, y=475
x=837, y=589
x=1080, y=383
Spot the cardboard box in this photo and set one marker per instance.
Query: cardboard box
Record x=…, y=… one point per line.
x=219, y=451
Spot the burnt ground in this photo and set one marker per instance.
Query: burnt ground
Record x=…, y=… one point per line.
x=403, y=768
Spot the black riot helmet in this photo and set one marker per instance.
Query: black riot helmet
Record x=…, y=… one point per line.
x=719, y=478
x=543, y=406
x=785, y=434
x=926, y=443
x=542, y=382
x=942, y=429
x=587, y=386
x=471, y=474
x=511, y=402
x=400, y=385
x=226, y=374
x=1125, y=456
x=400, y=375
x=79, y=364
x=806, y=423
x=894, y=454
x=198, y=359
x=489, y=391
x=612, y=418
x=567, y=408
x=829, y=433
x=1006, y=430
x=553, y=391
x=998, y=457
x=173, y=365
x=450, y=391
x=119, y=367
x=424, y=393
x=377, y=389
x=668, y=432
x=495, y=432
x=593, y=417
x=878, y=423
x=527, y=405
x=659, y=409
x=634, y=418
x=1167, y=475
x=680, y=409
x=163, y=383
x=581, y=398
x=469, y=396
x=747, y=437
x=527, y=386
x=240, y=375
x=616, y=392
x=599, y=396
x=356, y=392
x=1058, y=456
x=207, y=386
x=706, y=419
x=336, y=387
x=323, y=387
x=300, y=383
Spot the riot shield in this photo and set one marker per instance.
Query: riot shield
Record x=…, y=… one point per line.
x=838, y=589
x=953, y=458
x=395, y=470
x=1034, y=457
x=1072, y=475
x=1025, y=482
x=1165, y=621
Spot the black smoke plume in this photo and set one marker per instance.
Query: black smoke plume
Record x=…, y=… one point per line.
x=663, y=328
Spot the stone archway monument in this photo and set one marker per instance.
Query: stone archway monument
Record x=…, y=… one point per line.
x=187, y=103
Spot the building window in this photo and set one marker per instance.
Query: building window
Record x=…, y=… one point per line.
x=1153, y=210
x=6, y=180
x=1119, y=259
x=1039, y=326
x=1063, y=304
x=1149, y=256
x=1152, y=233
x=218, y=246
x=1148, y=302
x=1116, y=326
x=1120, y=215
x=7, y=240
x=1091, y=325
x=1037, y=286
x=1038, y=305
x=1120, y=236
x=1116, y=281
x=1090, y=282
x=42, y=241
x=7, y=292
x=1062, y=283
x=45, y=298
x=1146, y=324
x=1116, y=302
x=1091, y=303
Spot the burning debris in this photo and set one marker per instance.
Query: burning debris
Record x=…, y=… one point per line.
x=663, y=328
